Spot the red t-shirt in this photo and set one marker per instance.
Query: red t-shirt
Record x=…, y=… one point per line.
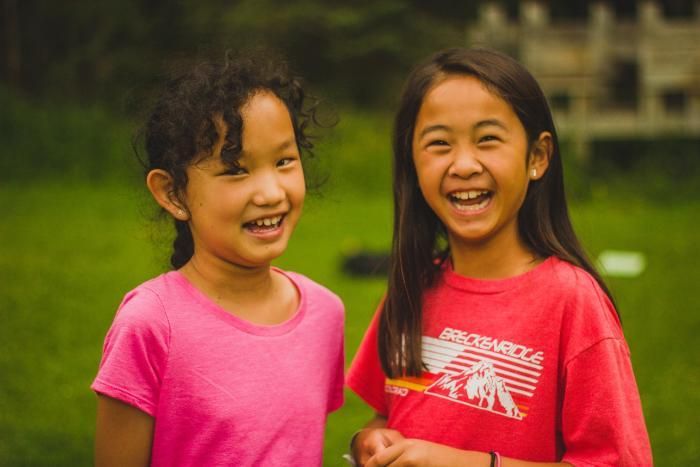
x=535, y=367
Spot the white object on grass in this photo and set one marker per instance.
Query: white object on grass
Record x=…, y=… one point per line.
x=622, y=263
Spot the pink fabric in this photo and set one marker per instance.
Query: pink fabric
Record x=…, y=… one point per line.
x=222, y=390
x=535, y=367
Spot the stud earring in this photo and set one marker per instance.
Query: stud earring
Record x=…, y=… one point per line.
x=534, y=173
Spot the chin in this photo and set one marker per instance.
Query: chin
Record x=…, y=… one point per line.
x=473, y=238
x=266, y=258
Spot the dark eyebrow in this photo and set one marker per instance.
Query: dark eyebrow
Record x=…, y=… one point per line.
x=428, y=129
x=285, y=145
x=481, y=124
x=491, y=122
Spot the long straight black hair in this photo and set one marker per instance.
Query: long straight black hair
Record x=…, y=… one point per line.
x=543, y=219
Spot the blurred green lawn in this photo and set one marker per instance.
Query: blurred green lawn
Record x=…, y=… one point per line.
x=70, y=249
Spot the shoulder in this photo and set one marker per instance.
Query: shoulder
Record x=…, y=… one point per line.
x=136, y=349
x=144, y=307
x=589, y=315
x=568, y=277
x=314, y=291
x=574, y=286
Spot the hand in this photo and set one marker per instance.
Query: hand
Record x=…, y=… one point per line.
x=370, y=441
x=415, y=453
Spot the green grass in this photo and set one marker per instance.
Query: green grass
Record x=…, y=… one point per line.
x=85, y=143
x=72, y=244
x=659, y=311
x=69, y=252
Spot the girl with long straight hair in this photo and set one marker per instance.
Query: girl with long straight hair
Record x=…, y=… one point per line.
x=498, y=343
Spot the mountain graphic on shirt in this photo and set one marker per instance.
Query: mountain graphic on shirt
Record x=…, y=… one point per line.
x=478, y=386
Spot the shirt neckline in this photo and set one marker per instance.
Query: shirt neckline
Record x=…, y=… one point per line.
x=492, y=286
x=246, y=326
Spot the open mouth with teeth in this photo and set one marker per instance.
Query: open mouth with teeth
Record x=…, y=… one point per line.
x=264, y=224
x=471, y=200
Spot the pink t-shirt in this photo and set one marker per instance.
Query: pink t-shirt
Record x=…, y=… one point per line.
x=535, y=367
x=222, y=390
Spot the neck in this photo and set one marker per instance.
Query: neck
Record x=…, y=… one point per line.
x=498, y=258
x=225, y=281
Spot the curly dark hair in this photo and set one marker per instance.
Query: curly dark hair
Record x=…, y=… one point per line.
x=180, y=128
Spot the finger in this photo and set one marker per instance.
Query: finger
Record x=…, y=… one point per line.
x=377, y=444
x=363, y=456
x=378, y=441
x=371, y=445
x=392, y=437
x=386, y=456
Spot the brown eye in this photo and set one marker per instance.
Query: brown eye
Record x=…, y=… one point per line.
x=285, y=161
x=235, y=170
x=488, y=138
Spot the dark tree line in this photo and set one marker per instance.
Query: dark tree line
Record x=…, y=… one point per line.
x=357, y=50
x=98, y=50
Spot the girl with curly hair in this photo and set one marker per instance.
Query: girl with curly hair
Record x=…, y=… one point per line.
x=224, y=360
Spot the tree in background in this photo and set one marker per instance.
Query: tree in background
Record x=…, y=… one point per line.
x=96, y=50
x=357, y=51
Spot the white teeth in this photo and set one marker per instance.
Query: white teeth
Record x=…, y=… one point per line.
x=268, y=221
x=471, y=194
x=472, y=207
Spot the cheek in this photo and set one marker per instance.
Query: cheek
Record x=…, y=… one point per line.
x=420, y=168
x=430, y=190
x=296, y=188
x=429, y=173
x=420, y=177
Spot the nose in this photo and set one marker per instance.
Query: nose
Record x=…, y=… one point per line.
x=465, y=163
x=268, y=190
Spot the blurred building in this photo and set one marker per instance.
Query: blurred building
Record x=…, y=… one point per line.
x=606, y=77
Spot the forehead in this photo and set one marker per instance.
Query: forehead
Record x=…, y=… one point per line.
x=266, y=127
x=264, y=117
x=260, y=107
x=463, y=97
x=265, y=103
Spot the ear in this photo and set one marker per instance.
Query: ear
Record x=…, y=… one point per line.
x=161, y=185
x=540, y=155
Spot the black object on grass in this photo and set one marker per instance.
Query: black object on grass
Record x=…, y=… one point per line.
x=366, y=264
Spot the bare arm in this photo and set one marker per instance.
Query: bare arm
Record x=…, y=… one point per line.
x=123, y=436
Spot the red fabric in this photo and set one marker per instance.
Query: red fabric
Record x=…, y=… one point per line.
x=535, y=367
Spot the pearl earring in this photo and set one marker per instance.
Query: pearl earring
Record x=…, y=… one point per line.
x=534, y=173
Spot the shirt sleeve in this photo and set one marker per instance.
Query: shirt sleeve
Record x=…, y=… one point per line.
x=602, y=420
x=365, y=376
x=135, y=352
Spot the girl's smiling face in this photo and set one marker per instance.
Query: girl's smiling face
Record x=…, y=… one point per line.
x=245, y=214
x=473, y=161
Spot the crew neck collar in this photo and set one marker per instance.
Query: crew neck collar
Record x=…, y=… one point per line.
x=244, y=325
x=491, y=286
